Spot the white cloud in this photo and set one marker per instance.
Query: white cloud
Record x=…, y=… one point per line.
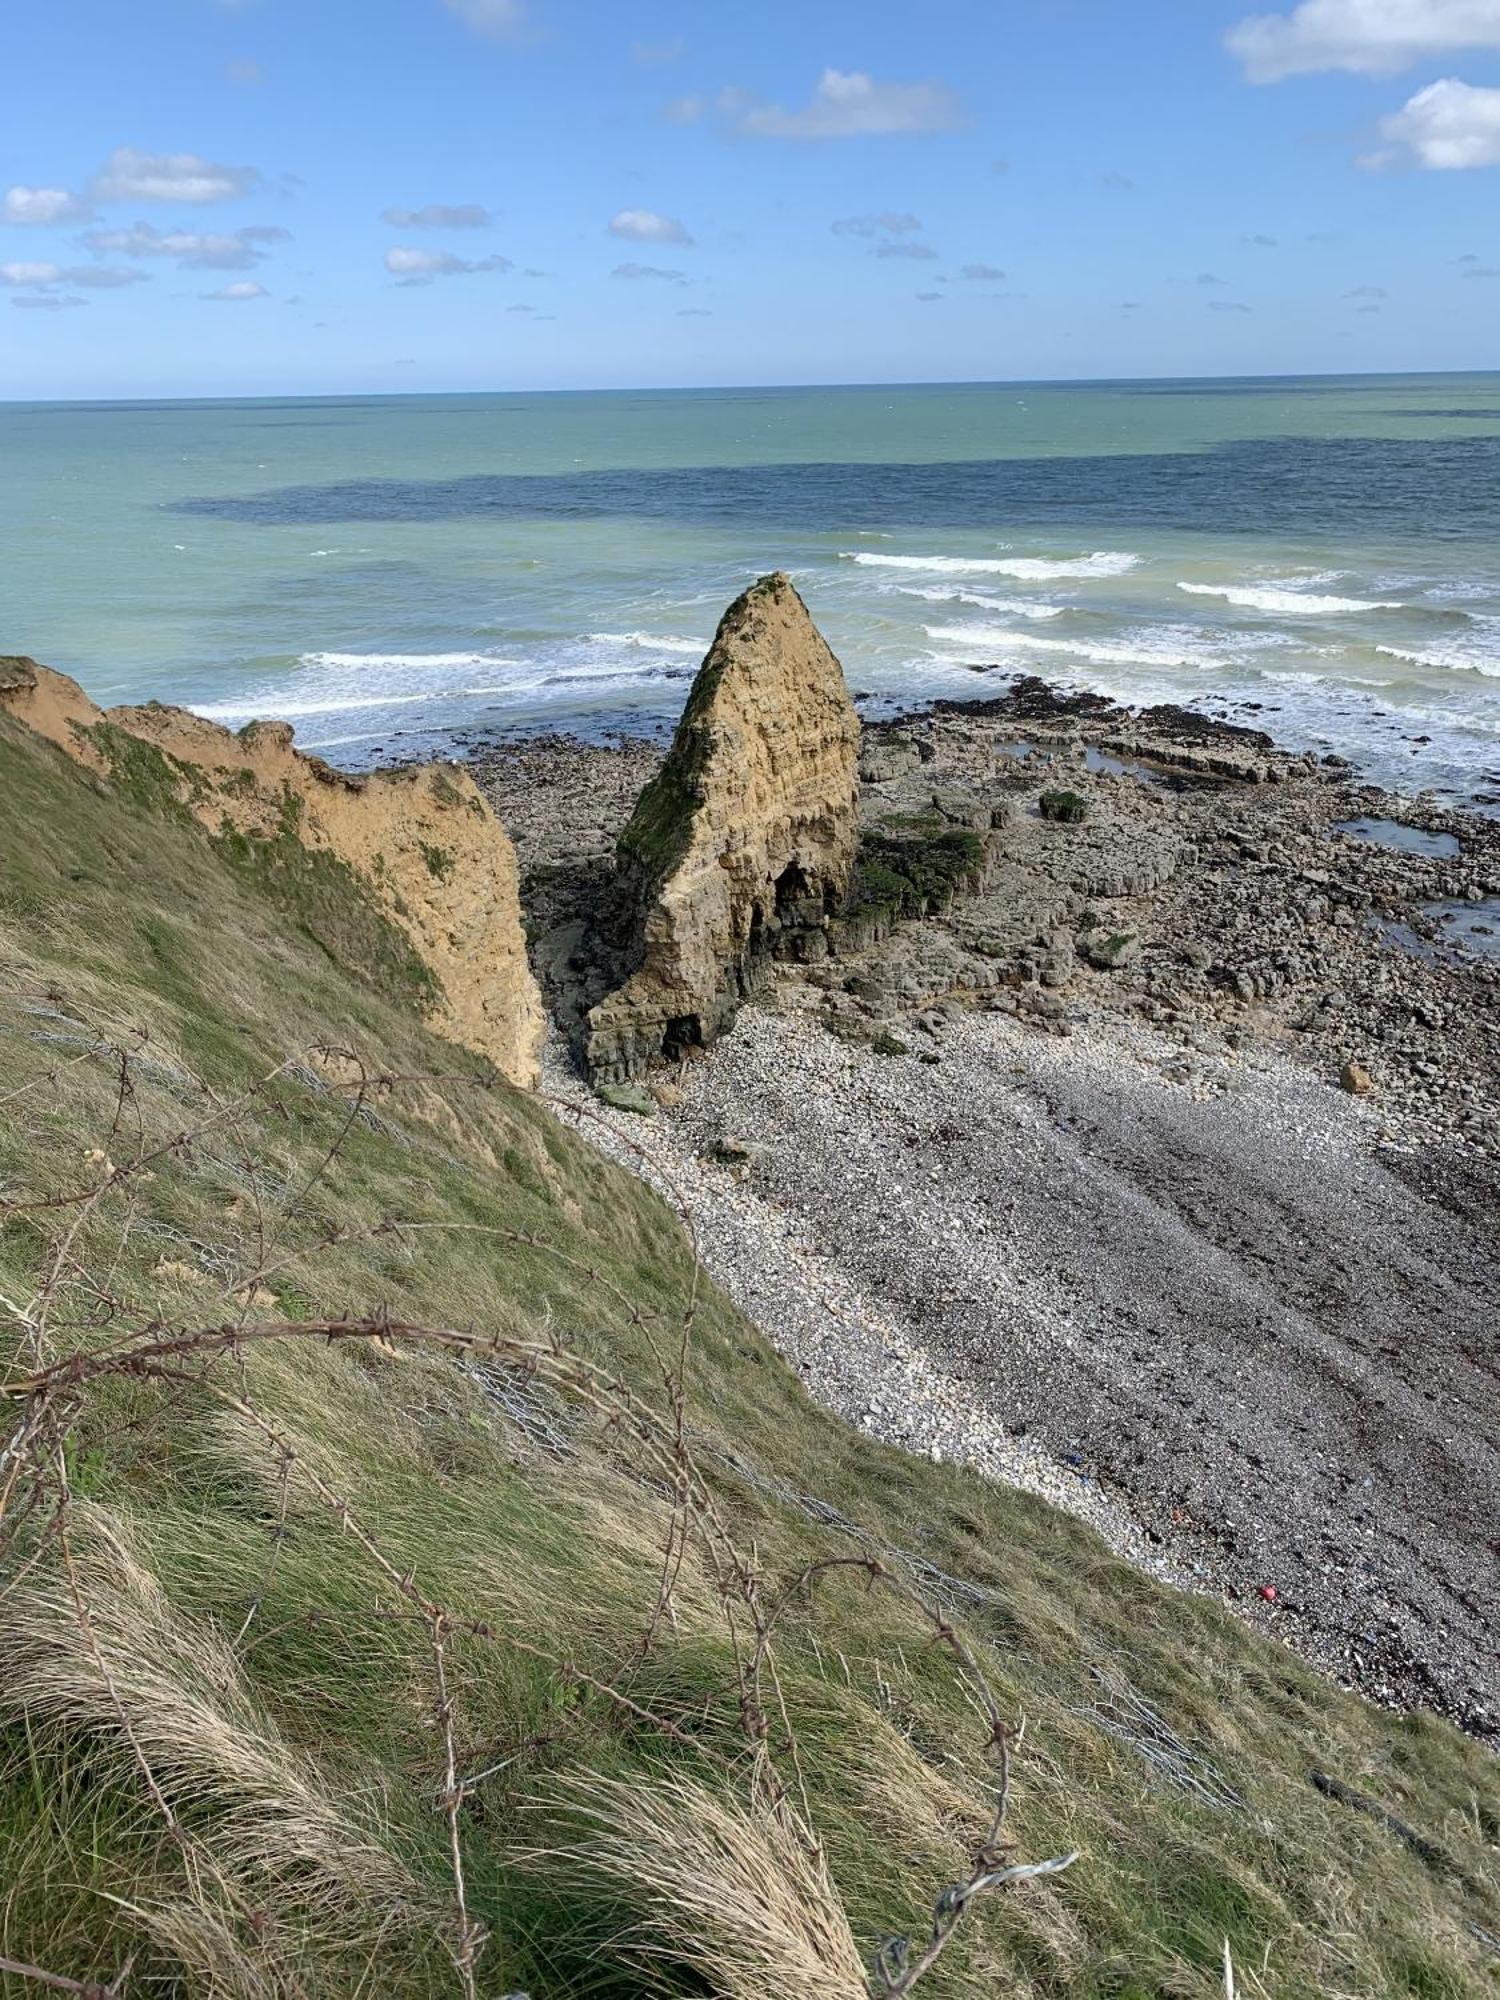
x=644, y=225
x=985, y=273
x=42, y=206
x=46, y=302
x=440, y=215
x=411, y=266
x=496, y=20
x=104, y=277
x=1446, y=127
x=1370, y=37
x=649, y=271
x=131, y=175
x=238, y=294
x=922, y=252
x=42, y=276
x=685, y=110
x=650, y=54
x=190, y=249
x=888, y=223
x=848, y=104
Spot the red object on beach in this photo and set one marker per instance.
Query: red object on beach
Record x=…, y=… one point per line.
x=1268, y=1592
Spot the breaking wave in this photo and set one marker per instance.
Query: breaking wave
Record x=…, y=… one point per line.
x=1026, y=569
x=1285, y=599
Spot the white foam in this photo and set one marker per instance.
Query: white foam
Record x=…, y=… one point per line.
x=356, y=661
x=273, y=705
x=1162, y=646
x=1026, y=569
x=1284, y=598
x=1460, y=659
x=983, y=600
x=650, y=642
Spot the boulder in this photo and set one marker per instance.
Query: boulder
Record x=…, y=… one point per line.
x=741, y=848
x=428, y=852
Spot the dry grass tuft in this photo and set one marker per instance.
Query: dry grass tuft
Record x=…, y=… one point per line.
x=739, y=1893
x=139, y=1671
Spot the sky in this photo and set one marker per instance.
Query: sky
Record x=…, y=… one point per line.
x=264, y=197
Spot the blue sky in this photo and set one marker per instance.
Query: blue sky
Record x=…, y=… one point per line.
x=272, y=196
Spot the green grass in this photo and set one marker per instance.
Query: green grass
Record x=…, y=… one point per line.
x=117, y=919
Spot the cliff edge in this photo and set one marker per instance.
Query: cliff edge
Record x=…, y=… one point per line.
x=426, y=847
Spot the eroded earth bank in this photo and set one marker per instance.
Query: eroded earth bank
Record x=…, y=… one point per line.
x=1126, y=1126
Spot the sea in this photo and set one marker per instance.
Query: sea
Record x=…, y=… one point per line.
x=405, y=575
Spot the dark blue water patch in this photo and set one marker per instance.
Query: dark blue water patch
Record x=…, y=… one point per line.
x=1479, y=414
x=1441, y=488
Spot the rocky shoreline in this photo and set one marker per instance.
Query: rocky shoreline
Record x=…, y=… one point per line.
x=1142, y=1121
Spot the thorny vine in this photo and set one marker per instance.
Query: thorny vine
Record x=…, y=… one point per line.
x=48, y=1397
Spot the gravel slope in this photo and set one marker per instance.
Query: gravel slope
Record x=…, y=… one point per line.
x=1177, y=1293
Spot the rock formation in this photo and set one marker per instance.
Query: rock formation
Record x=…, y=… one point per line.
x=427, y=848
x=742, y=846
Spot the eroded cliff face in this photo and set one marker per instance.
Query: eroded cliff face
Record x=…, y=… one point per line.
x=440, y=866
x=742, y=847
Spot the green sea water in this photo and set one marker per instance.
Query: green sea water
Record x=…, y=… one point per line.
x=401, y=574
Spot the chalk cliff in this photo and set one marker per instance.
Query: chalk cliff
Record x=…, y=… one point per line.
x=438, y=864
x=742, y=846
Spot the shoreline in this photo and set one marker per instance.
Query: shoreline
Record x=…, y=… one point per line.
x=1117, y=1235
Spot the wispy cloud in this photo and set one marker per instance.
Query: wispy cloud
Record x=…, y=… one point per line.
x=1369, y=37
x=1447, y=127
x=1208, y=278
x=495, y=20
x=238, y=294
x=651, y=55
x=46, y=276
x=190, y=249
x=47, y=302
x=982, y=273
x=411, y=266
x=1228, y=306
x=440, y=215
x=131, y=175
x=919, y=252
x=1260, y=242
x=645, y=225
x=649, y=271
x=848, y=104
x=1118, y=182
x=41, y=207
x=1367, y=292
x=889, y=222
x=694, y=312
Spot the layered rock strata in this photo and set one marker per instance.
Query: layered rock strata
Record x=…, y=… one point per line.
x=437, y=863
x=741, y=848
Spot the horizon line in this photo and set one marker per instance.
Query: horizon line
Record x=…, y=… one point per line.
x=729, y=388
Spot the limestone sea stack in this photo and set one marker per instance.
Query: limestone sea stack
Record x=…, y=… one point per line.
x=425, y=847
x=742, y=846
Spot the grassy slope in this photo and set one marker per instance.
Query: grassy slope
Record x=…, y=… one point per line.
x=301, y=1755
